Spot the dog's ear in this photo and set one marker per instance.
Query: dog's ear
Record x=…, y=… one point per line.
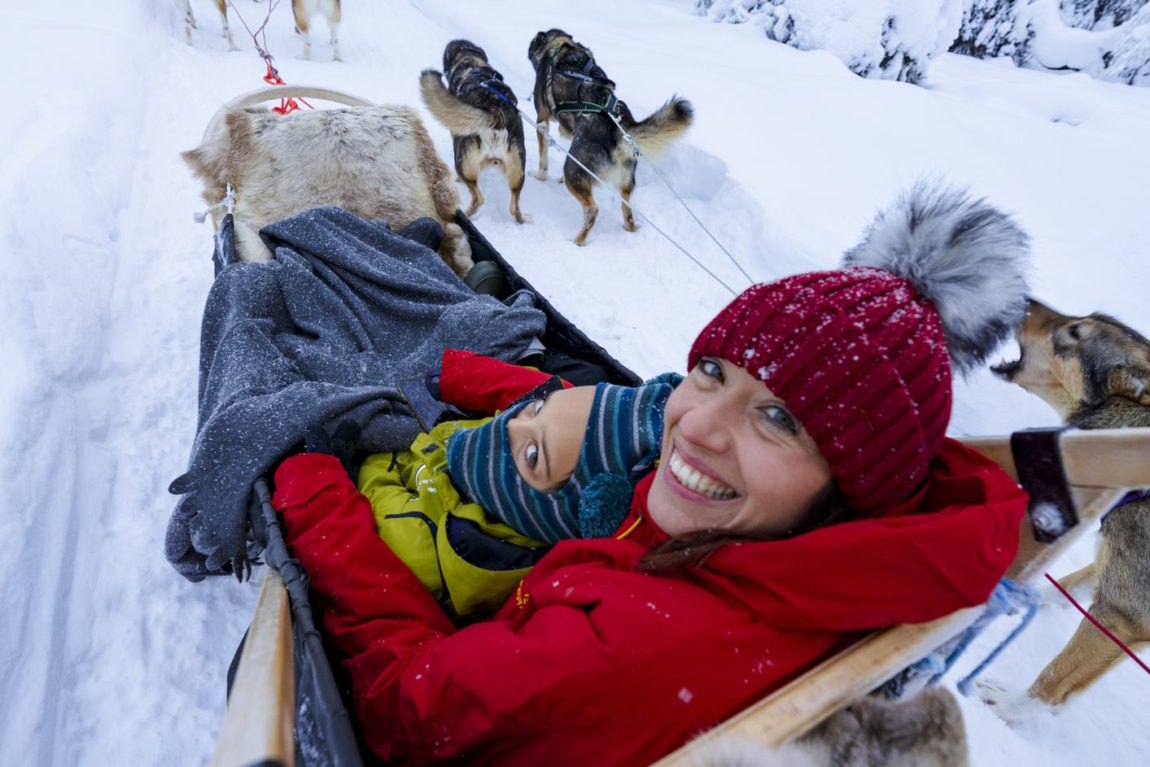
x=1131, y=381
x=536, y=47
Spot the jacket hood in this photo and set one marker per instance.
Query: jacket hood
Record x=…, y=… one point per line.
x=943, y=549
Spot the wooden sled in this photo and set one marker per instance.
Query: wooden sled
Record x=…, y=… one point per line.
x=1100, y=466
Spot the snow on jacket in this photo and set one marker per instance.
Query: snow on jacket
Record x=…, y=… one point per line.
x=594, y=662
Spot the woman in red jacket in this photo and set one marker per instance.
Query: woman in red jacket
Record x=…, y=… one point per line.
x=806, y=492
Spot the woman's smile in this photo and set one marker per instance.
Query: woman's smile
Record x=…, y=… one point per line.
x=695, y=480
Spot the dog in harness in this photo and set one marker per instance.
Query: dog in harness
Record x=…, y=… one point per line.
x=571, y=88
x=482, y=113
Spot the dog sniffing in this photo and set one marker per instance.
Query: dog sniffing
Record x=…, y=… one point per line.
x=1095, y=372
x=190, y=21
x=306, y=10
x=571, y=88
x=481, y=111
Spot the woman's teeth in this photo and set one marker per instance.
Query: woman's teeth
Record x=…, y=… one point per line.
x=693, y=480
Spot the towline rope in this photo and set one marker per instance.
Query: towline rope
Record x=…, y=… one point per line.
x=1098, y=624
x=273, y=76
x=551, y=142
x=635, y=147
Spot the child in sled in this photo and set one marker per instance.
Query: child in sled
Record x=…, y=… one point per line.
x=472, y=505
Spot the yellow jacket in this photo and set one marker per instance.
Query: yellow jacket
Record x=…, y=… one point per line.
x=468, y=560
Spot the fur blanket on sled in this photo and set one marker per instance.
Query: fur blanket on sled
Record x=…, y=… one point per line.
x=377, y=162
x=322, y=333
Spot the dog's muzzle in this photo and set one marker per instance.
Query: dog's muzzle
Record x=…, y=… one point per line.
x=1006, y=370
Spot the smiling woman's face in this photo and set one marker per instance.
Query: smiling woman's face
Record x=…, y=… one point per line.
x=733, y=458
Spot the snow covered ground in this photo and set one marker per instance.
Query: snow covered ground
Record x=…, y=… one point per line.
x=107, y=656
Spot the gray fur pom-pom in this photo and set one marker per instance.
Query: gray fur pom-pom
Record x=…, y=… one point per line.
x=963, y=255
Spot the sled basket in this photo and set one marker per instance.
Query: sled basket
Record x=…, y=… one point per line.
x=286, y=705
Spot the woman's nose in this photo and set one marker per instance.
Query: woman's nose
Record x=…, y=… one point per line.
x=708, y=424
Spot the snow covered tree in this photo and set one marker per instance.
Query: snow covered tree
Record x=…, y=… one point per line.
x=1107, y=39
x=1129, y=60
x=887, y=39
x=992, y=28
x=1099, y=14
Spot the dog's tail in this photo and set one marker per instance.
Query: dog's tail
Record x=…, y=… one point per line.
x=666, y=124
x=459, y=118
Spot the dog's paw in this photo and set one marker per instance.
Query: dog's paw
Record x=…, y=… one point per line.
x=522, y=218
x=539, y=174
x=1013, y=708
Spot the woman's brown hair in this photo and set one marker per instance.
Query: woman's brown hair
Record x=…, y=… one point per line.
x=679, y=554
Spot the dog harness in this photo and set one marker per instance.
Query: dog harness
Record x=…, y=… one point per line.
x=477, y=78
x=582, y=106
x=1134, y=496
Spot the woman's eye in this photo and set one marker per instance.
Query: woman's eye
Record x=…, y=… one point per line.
x=710, y=368
x=782, y=418
x=536, y=407
x=532, y=455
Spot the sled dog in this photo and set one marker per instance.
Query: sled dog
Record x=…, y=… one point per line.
x=306, y=10
x=1095, y=372
x=190, y=21
x=923, y=731
x=376, y=162
x=481, y=112
x=571, y=88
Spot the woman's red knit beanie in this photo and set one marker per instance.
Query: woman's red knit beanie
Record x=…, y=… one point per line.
x=860, y=354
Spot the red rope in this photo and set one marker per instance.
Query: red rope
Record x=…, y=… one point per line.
x=273, y=76
x=1099, y=625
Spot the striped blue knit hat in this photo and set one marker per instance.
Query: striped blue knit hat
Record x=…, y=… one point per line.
x=622, y=441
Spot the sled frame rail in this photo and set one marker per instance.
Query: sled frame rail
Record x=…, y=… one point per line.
x=275, y=93
x=1100, y=467
x=259, y=726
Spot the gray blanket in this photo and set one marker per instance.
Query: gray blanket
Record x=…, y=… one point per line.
x=321, y=334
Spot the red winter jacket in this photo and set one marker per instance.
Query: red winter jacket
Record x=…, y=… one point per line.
x=594, y=662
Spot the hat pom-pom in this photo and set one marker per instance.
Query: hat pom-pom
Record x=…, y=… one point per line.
x=963, y=255
x=603, y=504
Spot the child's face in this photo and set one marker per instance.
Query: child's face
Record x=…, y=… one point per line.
x=547, y=436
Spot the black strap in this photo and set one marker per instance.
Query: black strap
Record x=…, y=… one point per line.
x=1038, y=460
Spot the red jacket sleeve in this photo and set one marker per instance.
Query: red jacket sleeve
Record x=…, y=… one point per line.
x=903, y=569
x=483, y=384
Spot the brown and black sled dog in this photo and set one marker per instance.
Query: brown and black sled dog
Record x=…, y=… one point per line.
x=190, y=21
x=571, y=88
x=305, y=10
x=482, y=113
x=1095, y=372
